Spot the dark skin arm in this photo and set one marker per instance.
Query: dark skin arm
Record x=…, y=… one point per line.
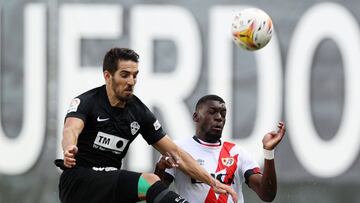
x=265, y=185
x=165, y=162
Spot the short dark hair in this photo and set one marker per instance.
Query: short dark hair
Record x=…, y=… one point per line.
x=209, y=97
x=115, y=54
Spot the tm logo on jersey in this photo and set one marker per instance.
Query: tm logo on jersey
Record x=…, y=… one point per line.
x=108, y=142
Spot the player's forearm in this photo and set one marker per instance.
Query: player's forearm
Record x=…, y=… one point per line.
x=268, y=186
x=159, y=171
x=189, y=166
x=69, y=138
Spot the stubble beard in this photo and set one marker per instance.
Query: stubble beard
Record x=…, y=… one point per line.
x=121, y=97
x=118, y=94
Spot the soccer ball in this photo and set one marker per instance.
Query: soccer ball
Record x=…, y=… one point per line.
x=252, y=29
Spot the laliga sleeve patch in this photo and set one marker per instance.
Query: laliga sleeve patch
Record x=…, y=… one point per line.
x=157, y=125
x=74, y=105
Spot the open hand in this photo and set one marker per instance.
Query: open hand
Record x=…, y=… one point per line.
x=272, y=139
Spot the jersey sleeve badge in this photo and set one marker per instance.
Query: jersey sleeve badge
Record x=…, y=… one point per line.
x=157, y=125
x=74, y=105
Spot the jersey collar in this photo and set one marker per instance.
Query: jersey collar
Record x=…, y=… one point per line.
x=208, y=144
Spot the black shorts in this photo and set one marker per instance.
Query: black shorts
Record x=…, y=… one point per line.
x=86, y=185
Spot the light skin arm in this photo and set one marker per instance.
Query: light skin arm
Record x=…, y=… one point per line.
x=265, y=185
x=190, y=167
x=72, y=129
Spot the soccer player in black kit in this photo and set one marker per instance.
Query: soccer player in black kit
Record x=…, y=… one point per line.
x=99, y=127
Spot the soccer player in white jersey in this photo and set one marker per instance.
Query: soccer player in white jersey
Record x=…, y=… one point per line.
x=225, y=161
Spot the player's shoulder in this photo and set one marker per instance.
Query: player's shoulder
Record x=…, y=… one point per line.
x=136, y=101
x=235, y=147
x=184, y=141
x=137, y=105
x=91, y=94
x=86, y=99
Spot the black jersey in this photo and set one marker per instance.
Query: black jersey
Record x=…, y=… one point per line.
x=108, y=130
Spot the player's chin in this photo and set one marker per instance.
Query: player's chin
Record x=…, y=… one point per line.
x=126, y=96
x=216, y=134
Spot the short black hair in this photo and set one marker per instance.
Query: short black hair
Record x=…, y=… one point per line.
x=209, y=97
x=115, y=54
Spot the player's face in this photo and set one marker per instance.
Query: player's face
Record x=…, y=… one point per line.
x=124, y=79
x=212, y=120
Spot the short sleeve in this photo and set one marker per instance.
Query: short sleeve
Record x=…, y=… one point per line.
x=78, y=108
x=151, y=129
x=248, y=165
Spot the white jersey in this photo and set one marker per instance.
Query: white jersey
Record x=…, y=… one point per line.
x=228, y=163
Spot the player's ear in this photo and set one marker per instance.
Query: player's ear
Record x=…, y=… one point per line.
x=195, y=117
x=107, y=75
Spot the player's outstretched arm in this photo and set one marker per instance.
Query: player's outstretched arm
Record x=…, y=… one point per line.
x=265, y=185
x=72, y=128
x=189, y=166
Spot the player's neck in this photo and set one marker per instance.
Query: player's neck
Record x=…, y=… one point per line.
x=113, y=100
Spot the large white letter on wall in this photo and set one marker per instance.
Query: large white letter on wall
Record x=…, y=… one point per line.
x=19, y=154
x=167, y=91
x=319, y=157
x=268, y=61
x=79, y=21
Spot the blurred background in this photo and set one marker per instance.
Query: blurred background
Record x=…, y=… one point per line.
x=308, y=76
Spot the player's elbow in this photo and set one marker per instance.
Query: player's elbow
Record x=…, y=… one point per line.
x=268, y=196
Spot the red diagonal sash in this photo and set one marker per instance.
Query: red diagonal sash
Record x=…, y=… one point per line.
x=229, y=165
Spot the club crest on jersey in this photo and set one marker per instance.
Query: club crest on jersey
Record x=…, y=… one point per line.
x=228, y=161
x=134, y=126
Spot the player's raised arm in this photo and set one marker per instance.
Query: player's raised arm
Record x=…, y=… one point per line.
x=189, y=166
x=265, y=185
